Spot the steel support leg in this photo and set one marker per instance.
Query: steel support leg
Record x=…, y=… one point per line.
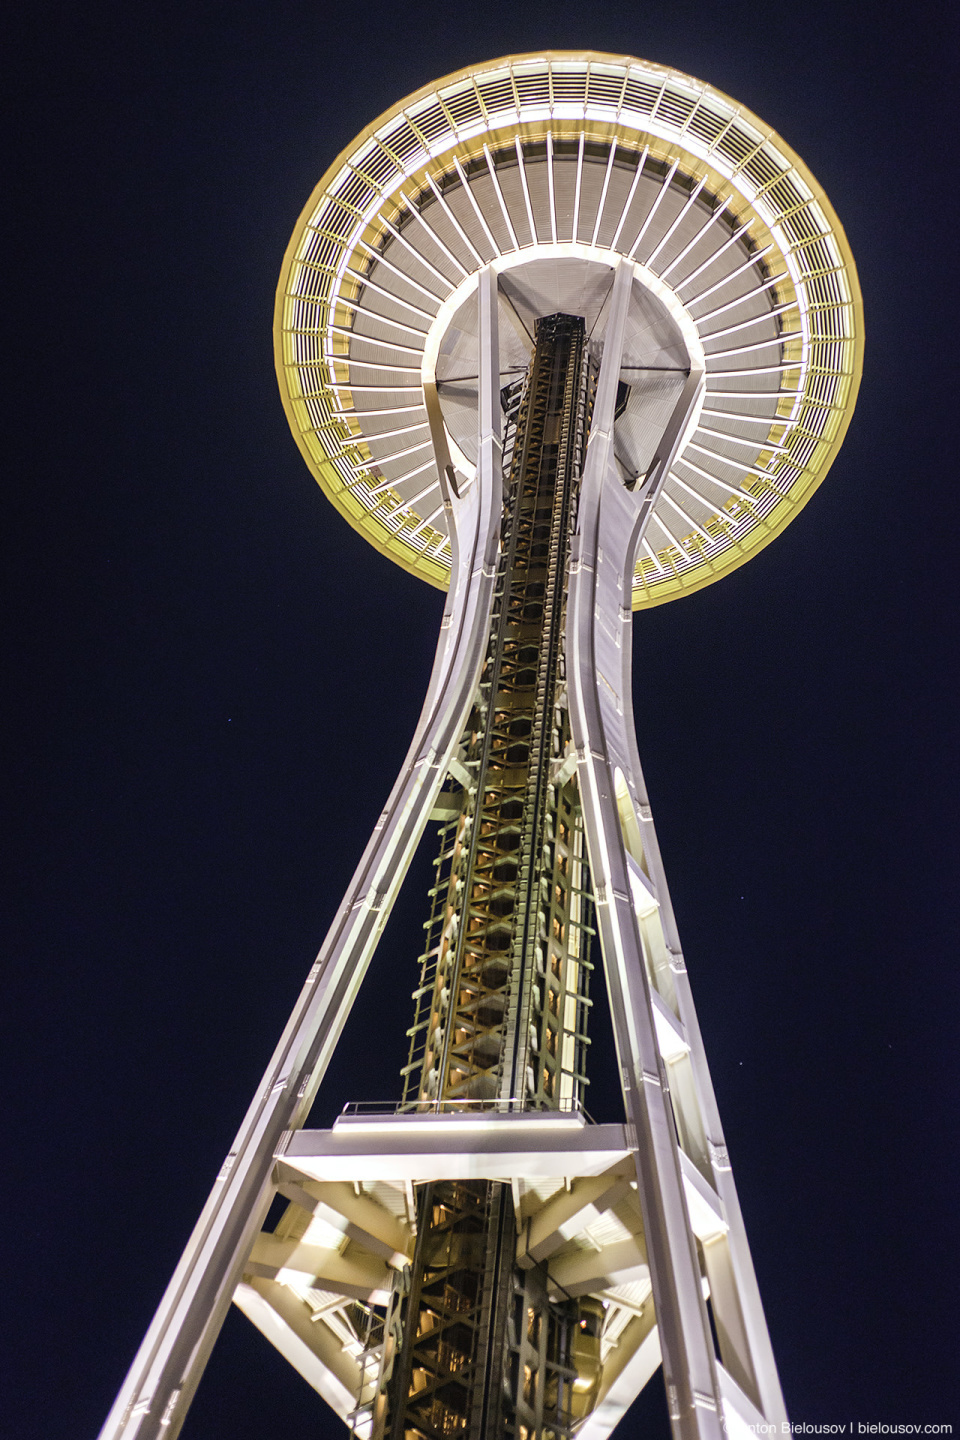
x=641, y=952
x=160, y=1385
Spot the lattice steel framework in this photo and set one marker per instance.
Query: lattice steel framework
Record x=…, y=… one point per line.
x=501, y=1008
x=652, y=295
x=514, y=897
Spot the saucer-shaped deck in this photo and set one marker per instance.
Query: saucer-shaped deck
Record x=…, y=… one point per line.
x=552, y=168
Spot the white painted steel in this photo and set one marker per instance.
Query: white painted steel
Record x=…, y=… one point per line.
x=310, y=1348
x=640, y=947
x=701, y=193
x=488, y=164
x=157, y=1391
x=674, y=1137
x=487, y=1147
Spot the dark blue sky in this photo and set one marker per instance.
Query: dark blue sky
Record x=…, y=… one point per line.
x=211, y=681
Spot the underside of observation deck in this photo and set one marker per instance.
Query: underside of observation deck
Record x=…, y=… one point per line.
x=567, y=162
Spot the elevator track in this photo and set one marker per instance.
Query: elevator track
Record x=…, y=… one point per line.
x=473, y=1346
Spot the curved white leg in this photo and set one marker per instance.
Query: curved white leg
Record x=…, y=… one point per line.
x=161, y=1382
x=667, y=1096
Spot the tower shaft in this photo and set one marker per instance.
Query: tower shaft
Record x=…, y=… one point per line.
x=511, y=879
x=483, y=1260
x=473, y=1345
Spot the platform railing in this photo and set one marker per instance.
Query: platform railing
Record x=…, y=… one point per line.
x=356, y=1109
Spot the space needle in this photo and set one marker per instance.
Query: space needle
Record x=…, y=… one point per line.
x=567, y=335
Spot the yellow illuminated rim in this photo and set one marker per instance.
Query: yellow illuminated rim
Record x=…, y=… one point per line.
x=566, y=94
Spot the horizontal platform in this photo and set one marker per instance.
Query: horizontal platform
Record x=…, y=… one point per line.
x=457, y=1147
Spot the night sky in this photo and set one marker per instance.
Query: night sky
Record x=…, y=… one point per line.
x=211, y=681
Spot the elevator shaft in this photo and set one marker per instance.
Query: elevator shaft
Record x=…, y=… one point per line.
x=473, y=1346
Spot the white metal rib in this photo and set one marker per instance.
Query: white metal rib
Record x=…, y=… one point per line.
x=339, y=413
x=372, y=340
x=720, y=210
x=359, y=414
x=756, y=345
x=758, y=370
x=664, y=187
x=724, y=459
x=767, y=420
x=694, y=493
x=683, y=514
x=666, y=530
x=526, y=192
x=374, y=314
x=552, y=206
x=603, y=192
x=417, y=254
x=576, y=189
x=401, y=274
x=434, y=236
x=755, y=395
x=455, y=222
x=646, y=545
x=500, y=197
x=395, y=454
x=382, y=435
x=389, y=295
x=745, y=324
x=684, y=210
x=339, y=385
x=714, y=255
x=371, y=364
x=392, y=484
x=722, y=484
x=497, y=252
x=359, y=310
x=421, y=494
x=630, y=194
x=730, y=304
x=738, y=439
x=427, y=520
x=732, y=275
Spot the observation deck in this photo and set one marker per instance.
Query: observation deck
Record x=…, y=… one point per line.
x=551, y=168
